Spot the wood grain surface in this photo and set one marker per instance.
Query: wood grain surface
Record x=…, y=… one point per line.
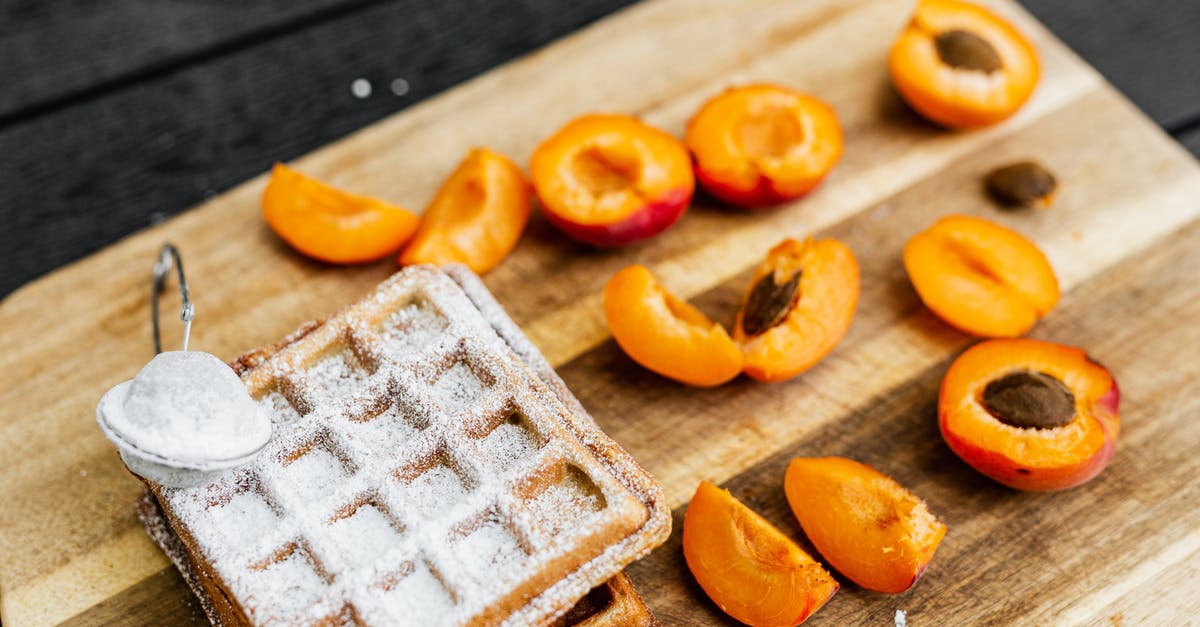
x=1122, y=238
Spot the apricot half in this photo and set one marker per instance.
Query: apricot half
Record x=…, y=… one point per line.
x=611, y=180
x=960, y=65
x=981, y=277
x=477, y=216
x=666, y=334
x=798, y=307
x=863, y=523
x=747, y=566
x=1032, y=415
x=762, y=145
x=332, y=225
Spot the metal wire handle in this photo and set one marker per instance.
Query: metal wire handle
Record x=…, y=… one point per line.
x=162, y=268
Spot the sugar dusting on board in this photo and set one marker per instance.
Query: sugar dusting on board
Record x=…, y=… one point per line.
x=399, y=510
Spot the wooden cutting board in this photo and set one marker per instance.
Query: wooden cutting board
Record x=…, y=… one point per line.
x=1123, y=237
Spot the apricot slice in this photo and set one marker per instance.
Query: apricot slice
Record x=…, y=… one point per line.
x=1030, y=414
x=798, y=307
x=477, y=216
x=747, y=566
x=666, y=334
x=332, y=225
x=863, y=523
x=960, y=65
x=611, y=180
x=980, y=277
x=761, y=145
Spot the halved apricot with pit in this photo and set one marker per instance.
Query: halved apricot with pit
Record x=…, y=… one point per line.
x=331, y=225
x=1032, y=415
x=864, y=524
x=666, y=334
x=477, y=216
x=798, y=307
x=762, y=145
x=747, y=566
x=611, y=180
x=960, y=65
x=981, y=277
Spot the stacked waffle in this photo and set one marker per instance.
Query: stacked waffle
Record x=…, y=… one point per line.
x=426, y=467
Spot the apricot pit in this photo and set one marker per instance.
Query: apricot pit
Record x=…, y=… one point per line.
x=1022, y=184
x=1029, y=399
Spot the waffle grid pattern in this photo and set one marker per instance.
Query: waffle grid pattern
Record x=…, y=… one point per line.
x=418, y=472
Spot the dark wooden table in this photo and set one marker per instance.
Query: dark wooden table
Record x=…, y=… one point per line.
x=117, y=114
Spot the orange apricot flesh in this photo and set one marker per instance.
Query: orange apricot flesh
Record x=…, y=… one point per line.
x=747, y=566
x=332, y=225
x=819, y=314
x=477, y=217
x=981, y=277
x=867, y=526
x=666, y=334
x=761, y=145
x=1050, y=457
x=961, y=65
x=611, y=180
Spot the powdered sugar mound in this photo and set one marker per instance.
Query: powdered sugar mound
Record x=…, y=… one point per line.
x=245, y=517
x=489, y=552
x=188, y=406
x=509, y=442
x=412, y=328
x=364, y=535
x=417, y=599
x=457, y=389
x=435, y=491
x=314, y=475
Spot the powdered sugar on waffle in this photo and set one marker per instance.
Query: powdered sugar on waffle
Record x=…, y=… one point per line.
x=419, y=469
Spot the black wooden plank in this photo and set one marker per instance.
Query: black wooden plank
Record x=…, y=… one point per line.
x=54, y=52
x=1191, y=139
x=82, y=177
x=1148, y=50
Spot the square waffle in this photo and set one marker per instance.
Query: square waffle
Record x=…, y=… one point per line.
x=426, y=467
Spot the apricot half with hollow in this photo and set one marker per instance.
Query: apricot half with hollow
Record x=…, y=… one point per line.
x=1030, y=414
x=863, y=523
x=747, y=566
x=611, y=180
x=981, y=277
x=666, y=334
x=798, y=307
x=761, y=145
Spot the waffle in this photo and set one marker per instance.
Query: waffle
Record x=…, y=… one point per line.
x=426, y=467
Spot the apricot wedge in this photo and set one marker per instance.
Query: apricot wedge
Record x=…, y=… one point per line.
x=747, y=566
x=863, y=523
x=329, y=224
x=666, y=334
x=477, y=216
x=1032, y=415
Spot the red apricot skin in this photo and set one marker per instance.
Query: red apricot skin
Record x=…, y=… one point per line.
x=653, y=218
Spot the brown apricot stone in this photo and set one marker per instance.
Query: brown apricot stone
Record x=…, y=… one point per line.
x=964, y=50
x=1030, y=400
x=1022, y=184
x=769, y=303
